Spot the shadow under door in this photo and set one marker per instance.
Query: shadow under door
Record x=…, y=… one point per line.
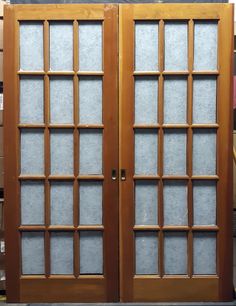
x=109, y=201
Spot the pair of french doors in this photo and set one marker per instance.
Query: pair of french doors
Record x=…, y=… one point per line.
x=118, y=142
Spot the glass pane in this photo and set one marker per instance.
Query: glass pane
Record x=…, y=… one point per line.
x=205, y=45
x=31, y=99
x=175, y=101
x=176, y=46
x=146, y=197
x=32, y=202
x=204, y=202
x=175, y=203
x=204, y=99
x=175, y=253
x=91, y=252
x=61, y=152
x=90, y=202
x=204, y=253
x=90, y=100
x=90, y=151
x=175, y=152
x=146, y=244
x=146, y=100
x=61, y=203
x=61, y=46
x=32, y=151
x=61, y=253
x=90, y=46
x=204, y=152
x=32, y=248
x=61, y=100
x=146, y=151
x=31, y=45
x=146, y=45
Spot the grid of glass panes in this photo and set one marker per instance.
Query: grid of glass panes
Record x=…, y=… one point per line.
x=61, y=147
x=175, y=130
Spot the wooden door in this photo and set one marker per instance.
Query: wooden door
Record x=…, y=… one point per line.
x=176, y=152
x=61, y=148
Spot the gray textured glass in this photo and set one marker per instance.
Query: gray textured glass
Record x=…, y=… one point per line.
x=175, y=152
x=32, y=202
x=175, y=203
x=205, y=45
x=90, y=100
x=204, y=253
x=61, y=251
x=175, y=100
x=91, y=252
x=146, y=151
x=32, y=151
x=204, y=99
x=32, y=253
x=146, y=197
x=90, y=46
x=31, y=46
x=61, y=46
x=61, y=100
x=90, y=203
x=61, y=142
x=90, y=151
x=146, y=100
x=204, y=202
x=175, y=253
x=146, y=45
x=61, y=198
x=204, y=152
x=146, y=251
x=176, y=46
x=31, y=99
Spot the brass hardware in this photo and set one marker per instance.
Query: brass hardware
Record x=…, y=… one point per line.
x=113, y=175
x=123, y=174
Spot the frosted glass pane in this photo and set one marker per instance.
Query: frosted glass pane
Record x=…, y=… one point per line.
x=91, y=252
x=90, y=151
x=146, y=244
x=204, y=152
x=204, y=253
x=90, y=100
x=175, y=152
x=61, y=100
x=175, y=203
x=176, y=46
x=61, y=46
x=32, y=202
x=32, y=248
x=146, y=46
x=90, y=202
x=32, y=151
x=61, y=203
x=175, y=253
x=204, y=99
x=31, y=45
x=90, y=45
x=61, y=152
x=205, y=45
x=204, y=202
x=31, y=99
x=175, y=100
x=146, y=151
x=61, y=253
x=146, y=100
x=146, y=197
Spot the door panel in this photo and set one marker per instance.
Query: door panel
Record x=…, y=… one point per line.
x=175, y=89
x=64, y=130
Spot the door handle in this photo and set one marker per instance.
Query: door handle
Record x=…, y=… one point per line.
x=123, y=174
x=113, y=174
